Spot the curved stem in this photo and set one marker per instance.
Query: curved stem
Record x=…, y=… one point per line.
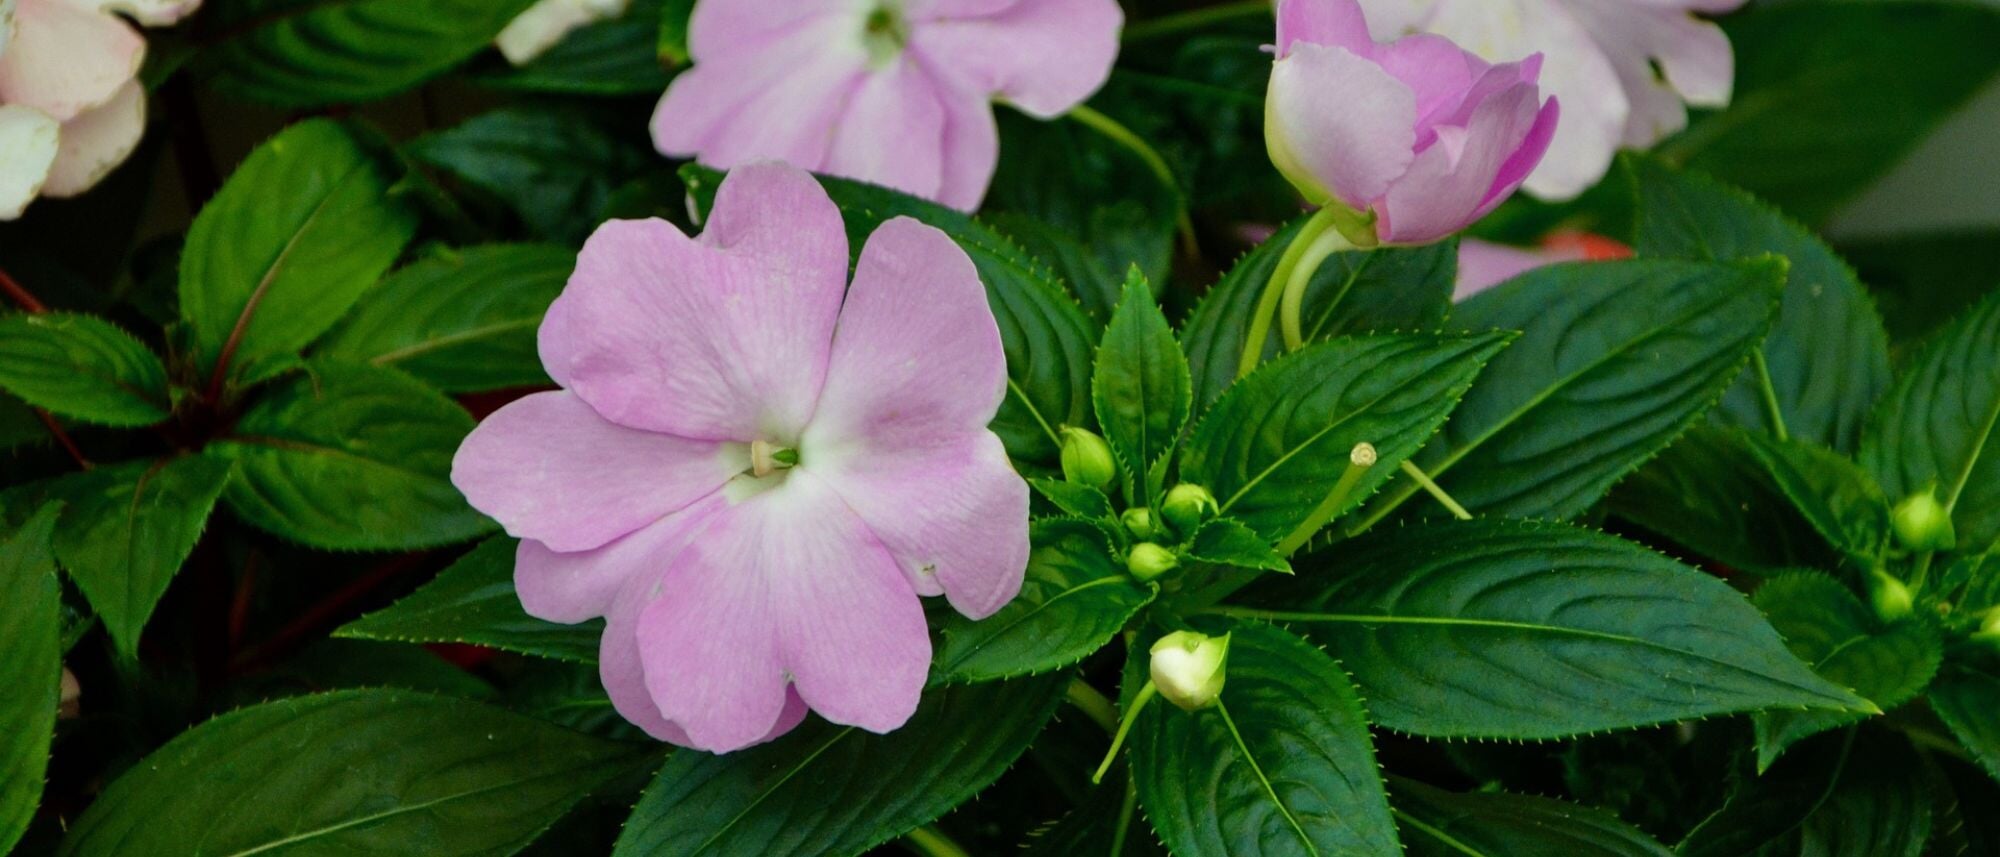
x=1770, y=390
x=1119, y=833
x=1093, y=704
x=1116, y=132
x=1274, y=290
x=931, y=842
x=1436, y=491
x=1293, y=301
x=1139, y=701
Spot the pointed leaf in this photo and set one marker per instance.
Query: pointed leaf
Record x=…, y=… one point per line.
x=1140, y=387
x=1834, y=494
x=30, y=610
x=84, y=368
x=1851, y=796
x=1966, y=698
x=1711, y=494
x=1437, y=823
x=1940, y=425
x=310, y=53
x=1074, y=600
x=1082, y=501
x=473, y=601
x=1226, y=541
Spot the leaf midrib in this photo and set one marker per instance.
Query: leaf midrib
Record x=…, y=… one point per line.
x=1102, y=581
x=435, y=343
x=391, y=813
x=772, y=789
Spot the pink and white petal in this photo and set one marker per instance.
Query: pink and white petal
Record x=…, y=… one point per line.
x=1527, y=155
x=97, y=141
x=1450, y=181
x=952, y=511
x=7, y=8
x=544, y=24
x=780, y=102
x=581, y=585
x=1441, y=75
x=725, y=338
x=549, y=468
x=1043, y=56
x=1484, y=264
x=1339, y=124
x=152, y=13
x=1694, y=55
x=745, y=27
x=1331, y=23
x=926, y=10
x=893, y=132
x=67, y=58
x=971, y=150
x=1389, y=20
x=29, y=141
x=917, y=352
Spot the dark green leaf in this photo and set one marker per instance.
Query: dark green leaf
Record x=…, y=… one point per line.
x=1284, y=765
x=1362, y=291
x=1047, y=337
x=618, y=57
x=556, y=168
x=1615, y=360
x=1922, y=281
x=1437, y=823
x=1226, y=541
x=1533, y=630
x=836, y=790
x=1273, y=448
x=30, y=607
x=473, y=601
x=127, y=529
x=351, y=772
x=1710, y=493
x=351, y=457
x=1075, y=599
x=1084, y=184
x=84, y=368
x=1828, y=354
x=1140, y=387
x=1966, y=697
x=1829, y=96
x=1864, y=799
x=1082, y=501
x=1940, y=425
x=311, y=53
x=1840, y=500
x=463, y=322
x=295, y=236
x=19, y=425
x=673, y=37
x=345, y=664
x=1827, y=627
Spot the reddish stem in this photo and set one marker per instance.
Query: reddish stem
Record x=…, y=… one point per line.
x=325, y=612
x=62, y=438
x=21, y=296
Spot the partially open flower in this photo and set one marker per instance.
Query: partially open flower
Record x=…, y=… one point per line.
x=1424, y=136
x=894, y=92
x=753, y=470
x=1189, y=668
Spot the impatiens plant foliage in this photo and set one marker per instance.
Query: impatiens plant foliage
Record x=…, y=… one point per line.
x=1053, y=453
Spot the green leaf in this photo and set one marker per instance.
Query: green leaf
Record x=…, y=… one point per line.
x=1834, y=494
x=617, y=57
x=1940, y=425
x=1437, y=823
x=351, y=457
x=473, y=601
x=1284, y=765
x=352, y=772
x=127, y=529
x=1226, y=541
x=1276, y=444
x=1965, y=697
x=312, y=53
x=673, y=37
x=343, y=664
x=1359, y=291
x=1082, y=501
x=1827, y=627
x=1140, y=387
x=19, y=424
x=1710, y=493
x=1614, y=361
x=292, y=240
x=1047, y=337
x=1534, y=630
x=1828, y=96
x=836, y=790
x=1074, y=600
x=1849, y=796
x=1828, y=353
x=84, y=368
x=555, y=167
x=1077, y=181
x=30, y=611
x=463, y=322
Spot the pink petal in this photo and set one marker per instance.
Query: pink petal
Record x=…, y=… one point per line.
x=971, y=151
x=1525, y=158
x=785, y=583
x=1694, y=55
x=782, y=101
x=1339, y=123
x=741, y=27
x=97, y=141
x=29, y=141
x=893, y=132
x=1450, y=182
x=1043, y=56
x=1483, y=264
x=724, y=338
x=548, y=468
x=67, y=58
x=952, y=511
x=1331, y=23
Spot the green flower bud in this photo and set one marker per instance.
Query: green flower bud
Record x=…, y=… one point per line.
x=1187, y=506
x=1086, y=458
x=1922, y=524
x=1140, y=523
x=1891, y=599
x=1189, y=668
x=1148, y=561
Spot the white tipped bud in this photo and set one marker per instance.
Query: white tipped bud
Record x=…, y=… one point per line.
x=1189, y=668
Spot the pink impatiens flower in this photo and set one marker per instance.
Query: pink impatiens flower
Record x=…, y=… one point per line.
x=753, y=470
x=1423, y=134
x=893, y=92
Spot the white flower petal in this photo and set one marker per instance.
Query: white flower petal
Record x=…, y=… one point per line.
x=27, y=148
x=97, y=141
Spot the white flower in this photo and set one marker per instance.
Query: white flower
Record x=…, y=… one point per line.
x=534, y=31
x=1600, y=58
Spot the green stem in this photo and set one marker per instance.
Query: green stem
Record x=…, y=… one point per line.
x=1125, y=811
x=1274, y=290
x=1359, y=462
x=1139, y=701
x=1293, y=301
x=931, y=842
x=1922, y=571
x=1195, y=19
x=1123, y=136
x=1093, y=704
x=1770, y=390
x=1424, y=480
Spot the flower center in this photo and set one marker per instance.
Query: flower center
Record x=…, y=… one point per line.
x=885, y=33
x=767, y=458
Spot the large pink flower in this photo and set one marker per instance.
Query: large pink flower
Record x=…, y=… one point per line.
x=894, y=92
x=71, y=107
x=654, y=488
x=1425, y=135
